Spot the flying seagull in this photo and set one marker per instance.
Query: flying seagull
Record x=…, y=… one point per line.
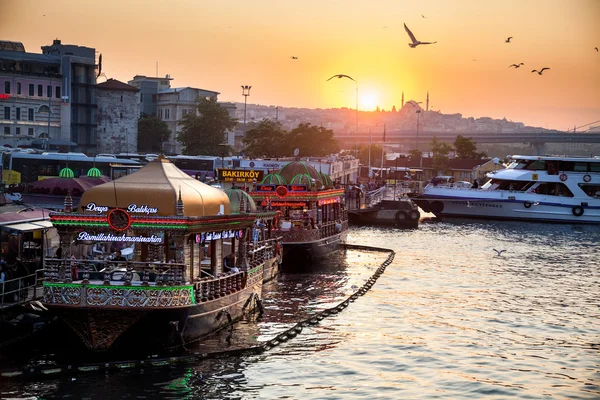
x=499, y=252
x=595, y=48
x=423, y=16
x=294, y=58
x=508, y=39
x=340, y=76
x=516, y=65
x=415, y=42
x=540, y=71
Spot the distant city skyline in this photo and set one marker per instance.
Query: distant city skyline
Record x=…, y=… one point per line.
x=287, y=50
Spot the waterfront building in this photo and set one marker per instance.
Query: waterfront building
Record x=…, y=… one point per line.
x=118, y=114
x=30, y=95
x=78, y=112
x=174, y=103
x=149, y=88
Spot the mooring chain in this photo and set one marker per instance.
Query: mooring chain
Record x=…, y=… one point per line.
x=314, y=319
x=282, y=337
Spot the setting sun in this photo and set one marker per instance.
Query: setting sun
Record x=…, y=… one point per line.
x=367, y=101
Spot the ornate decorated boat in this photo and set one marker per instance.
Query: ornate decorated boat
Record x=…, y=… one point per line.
x=170, y=285
x=313, y=220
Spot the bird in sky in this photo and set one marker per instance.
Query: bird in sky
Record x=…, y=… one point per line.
x=294, y=58
x=516, y=65
x=423, y=16
x=540, y=71
x=595, y=48
x=340, y=76
x=508, y=39
x=414, y=40
x=499, y=252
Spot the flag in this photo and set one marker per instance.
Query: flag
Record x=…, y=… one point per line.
x=383, y=133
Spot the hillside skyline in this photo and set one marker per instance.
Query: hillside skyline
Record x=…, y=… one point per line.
x=287, y=51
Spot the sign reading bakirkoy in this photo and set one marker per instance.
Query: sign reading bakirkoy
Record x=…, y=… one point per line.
x=103, y=237
x=239, y=175
x=132, y=208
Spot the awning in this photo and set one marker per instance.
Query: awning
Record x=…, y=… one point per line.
x=28, y=226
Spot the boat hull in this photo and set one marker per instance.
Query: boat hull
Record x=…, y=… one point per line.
x=526, y=208
x=126, y=324
x=301, y=256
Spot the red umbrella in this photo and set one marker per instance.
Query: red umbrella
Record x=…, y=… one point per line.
x=60, y=186
x=95, y=180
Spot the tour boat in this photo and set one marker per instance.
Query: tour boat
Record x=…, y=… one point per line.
x=174, y=288
x=312, y=220
x=545, y=189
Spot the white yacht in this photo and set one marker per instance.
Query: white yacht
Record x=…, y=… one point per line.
x=544, y=189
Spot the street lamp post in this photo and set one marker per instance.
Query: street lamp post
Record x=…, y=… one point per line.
x=420, y=156
x=245, y=93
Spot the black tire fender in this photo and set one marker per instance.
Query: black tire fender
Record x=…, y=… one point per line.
x=577, y=211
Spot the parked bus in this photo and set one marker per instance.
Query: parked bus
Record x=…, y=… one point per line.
x=200, y=167
x=27, y=168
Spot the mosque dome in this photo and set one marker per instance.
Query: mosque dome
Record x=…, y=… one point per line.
x=273, y=179
x=66, y=173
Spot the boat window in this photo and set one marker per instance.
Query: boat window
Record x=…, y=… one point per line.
x=580, y=166
x=553, y=189
x=594, y=167
x=537, y=165
x=566, y=166
x=592, y=190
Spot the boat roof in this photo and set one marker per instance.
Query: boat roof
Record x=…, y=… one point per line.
x=555, y=158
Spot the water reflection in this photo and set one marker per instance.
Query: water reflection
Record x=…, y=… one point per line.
x=448, y=319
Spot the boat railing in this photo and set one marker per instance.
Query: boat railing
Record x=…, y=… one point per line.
x=21, y=290
x=110, y=272
x=222, y=285
x=333, y=228
x=260, y=251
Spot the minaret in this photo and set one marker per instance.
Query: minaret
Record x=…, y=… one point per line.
x=402, y=105
x=179, y=209
x=427, y=105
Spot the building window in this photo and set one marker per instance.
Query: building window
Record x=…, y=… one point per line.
x=31, y=89
x=17, y=130
x=167, y=113
x=6, y=112
x=57, y=92
x=18, y=113
x=141, y=97
x=121, y=115
x=49, y=91
x=7, y=130
x=18, y=87
x=161, y=113
x=30, y=114
x=183, y=112
x=7, y=87
x=121, y=98
x=30, y=131
x=44, y=109
x=154, y=98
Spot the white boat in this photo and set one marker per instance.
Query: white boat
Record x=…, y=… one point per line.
x=544, y=189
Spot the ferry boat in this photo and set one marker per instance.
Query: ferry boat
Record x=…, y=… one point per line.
x=173, y=286
x=532, y=188
x=312, y=220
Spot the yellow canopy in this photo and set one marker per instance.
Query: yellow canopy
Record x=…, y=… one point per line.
x=154, y=189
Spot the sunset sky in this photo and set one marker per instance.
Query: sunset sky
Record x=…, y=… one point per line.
x=222, y=44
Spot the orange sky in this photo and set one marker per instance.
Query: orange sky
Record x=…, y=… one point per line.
x=223, y=44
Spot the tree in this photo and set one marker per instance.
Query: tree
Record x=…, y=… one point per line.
x=311, y=140
x=203, y=134
x=265, y=139
x=440, y=152
x=466, y=149
x=152, y=132
x=415, y=154
x=363, y=155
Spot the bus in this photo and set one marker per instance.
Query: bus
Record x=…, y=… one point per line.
x=200, y=167
x=23, y=168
